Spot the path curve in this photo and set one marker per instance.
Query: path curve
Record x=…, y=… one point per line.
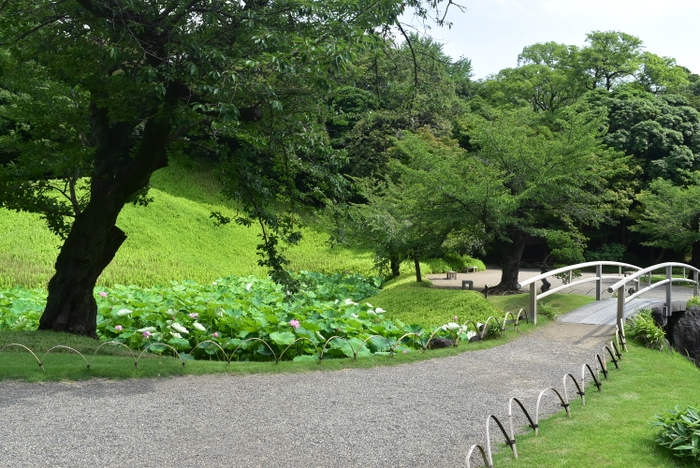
x=421, y=414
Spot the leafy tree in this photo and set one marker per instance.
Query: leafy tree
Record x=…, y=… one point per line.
x=554, y=180
x=520, y=179
x=402, y=215
x=670, y=216
x=125, y=84
x=610, y=58
x=660, y=131
x=648, y=100
x=545, y=79
x=660, y=75
x=393, y=88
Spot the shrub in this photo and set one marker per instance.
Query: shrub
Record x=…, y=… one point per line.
x=643, y=329
x=548, y=311
x=453, y=262
x=693, y=301
x=680, y=431
x=612, y=252
x=493, y=331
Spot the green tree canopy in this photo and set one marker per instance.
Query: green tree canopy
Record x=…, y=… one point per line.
x=555, y=178
x=670, y=216
x=660, y=131
x=100, y=92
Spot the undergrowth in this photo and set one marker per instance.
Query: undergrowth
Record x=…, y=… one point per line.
x=645, y=330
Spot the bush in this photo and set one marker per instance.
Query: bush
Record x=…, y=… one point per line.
x=453, y=262
x=693, y=301
x=612, y=252
x=548, y=311
x=493, y=331
x=643, y=329
x=680, y=431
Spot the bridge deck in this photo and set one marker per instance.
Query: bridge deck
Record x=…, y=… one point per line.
x=604, y=312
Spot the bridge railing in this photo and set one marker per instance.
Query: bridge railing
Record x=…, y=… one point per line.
x=623, y=269
x=624, y=295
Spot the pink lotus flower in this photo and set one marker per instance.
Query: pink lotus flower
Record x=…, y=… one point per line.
x=103, y=294
x=118, y=328
x=146, y=334
x=215, y=334
x=294, y=323
x=455, y=318
x=194, y=315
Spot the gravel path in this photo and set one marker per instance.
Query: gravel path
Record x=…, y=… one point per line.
x=422, y=414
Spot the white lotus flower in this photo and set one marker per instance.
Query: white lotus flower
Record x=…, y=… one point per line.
x=470, y=334
x=379, y=310
x=350, y=302
x=123, y=312
x=147, y=329
x=248, y=286
x=199, y=326
x=175, y=334
x=369, y=305
x=354, y=315
x=451, y=326
x=179, y=328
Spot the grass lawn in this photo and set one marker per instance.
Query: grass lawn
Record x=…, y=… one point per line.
x=613, y=429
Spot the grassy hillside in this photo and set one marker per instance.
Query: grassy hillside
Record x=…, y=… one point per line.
x=171, y=239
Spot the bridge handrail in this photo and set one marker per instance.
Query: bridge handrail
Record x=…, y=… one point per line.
x=622, y=297
x=645, y=271
x=578, y=266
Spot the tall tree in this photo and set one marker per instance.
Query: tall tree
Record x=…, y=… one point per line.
x=660, y=131
x=130, y=79
x=404, y=215
x=394, y=87
x=554, y=179
x=670, y=216
x=610, y=58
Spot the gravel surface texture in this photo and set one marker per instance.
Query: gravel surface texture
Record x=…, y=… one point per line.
x=422, y=414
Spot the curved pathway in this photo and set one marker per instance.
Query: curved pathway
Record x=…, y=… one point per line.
x=422, y=414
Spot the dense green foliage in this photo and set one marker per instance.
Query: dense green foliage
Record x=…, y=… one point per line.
x=255, y=319
x=648, y=106
x=679, y=431
x=645, y=330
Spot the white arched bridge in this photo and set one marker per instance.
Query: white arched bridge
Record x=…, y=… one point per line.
x=630, y=289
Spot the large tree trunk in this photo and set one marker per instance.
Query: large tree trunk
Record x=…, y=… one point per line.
x=395, y=264
x=89, y=248
x=695, y=255
x=94, y=238
x=510, y=265
x=416, y=264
